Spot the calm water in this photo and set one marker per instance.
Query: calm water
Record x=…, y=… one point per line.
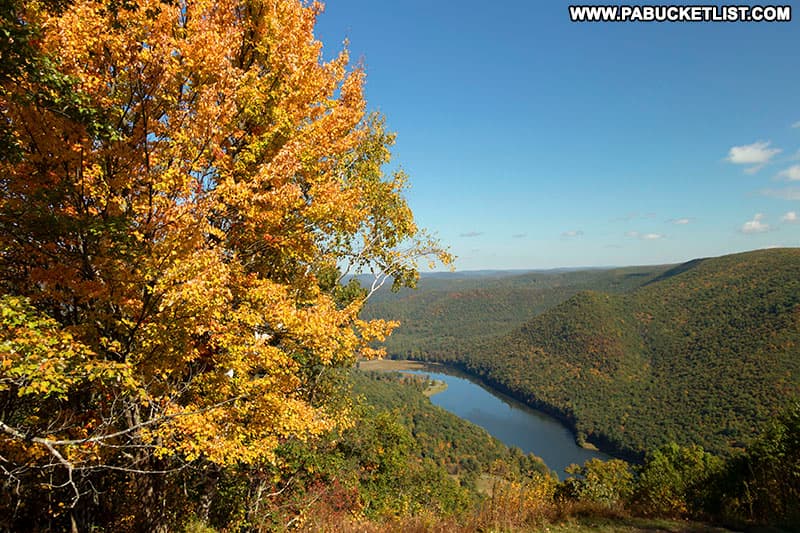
x=511, y=422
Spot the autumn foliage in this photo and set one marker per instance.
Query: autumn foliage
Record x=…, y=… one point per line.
x=178, y=215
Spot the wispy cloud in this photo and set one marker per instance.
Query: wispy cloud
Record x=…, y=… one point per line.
x=644, y=236
x=519, y=235
x=756, y=225
x=680, y=221
x=471, y=234
x=790, y=217
x=790, y=174
x=753, y=170
x=787, y=193
x=757, y=154
x=572, y=233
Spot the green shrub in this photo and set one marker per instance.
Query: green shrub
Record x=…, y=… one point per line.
x=607, y=483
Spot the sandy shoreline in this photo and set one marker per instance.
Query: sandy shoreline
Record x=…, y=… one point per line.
x=391, y=365
x=386, y=365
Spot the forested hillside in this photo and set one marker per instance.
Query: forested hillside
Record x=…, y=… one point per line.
x=462, y=448
x=445, y=311
x=399, y=454
x=703, y=353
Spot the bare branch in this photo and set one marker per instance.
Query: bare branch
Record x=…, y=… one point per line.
x=55, y=453
x=153, y=421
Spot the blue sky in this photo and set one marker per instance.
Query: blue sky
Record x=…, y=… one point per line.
x=534, y=142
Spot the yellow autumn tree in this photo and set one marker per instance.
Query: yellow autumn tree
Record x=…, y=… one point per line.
x=174, y=252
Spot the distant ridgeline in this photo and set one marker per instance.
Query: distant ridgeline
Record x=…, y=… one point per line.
x=704, y=352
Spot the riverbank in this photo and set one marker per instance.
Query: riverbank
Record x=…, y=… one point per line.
x=593, y=442
x=505, y=418
x=396, y=365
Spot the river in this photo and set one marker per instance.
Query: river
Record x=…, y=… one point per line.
x=510, y=421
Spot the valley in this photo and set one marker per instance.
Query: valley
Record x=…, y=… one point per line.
x=699, y=353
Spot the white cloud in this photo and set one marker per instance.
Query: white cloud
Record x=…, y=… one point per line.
x=790, y=217
x=471, y=234
x=752, y=154
x=756, y=225
x=790, y=174
x=633, y=234
x=572, y=233
x=757, y=154
x=681, y=221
